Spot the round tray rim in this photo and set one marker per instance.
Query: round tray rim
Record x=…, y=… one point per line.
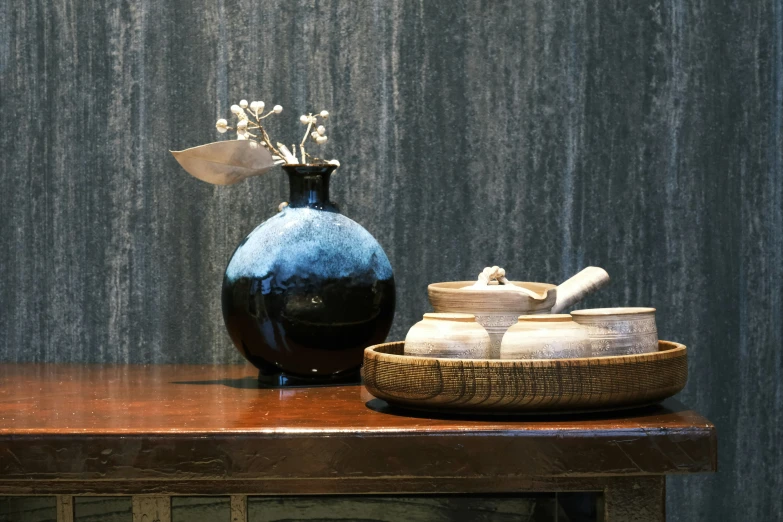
x=525, y=386
x=670, y=349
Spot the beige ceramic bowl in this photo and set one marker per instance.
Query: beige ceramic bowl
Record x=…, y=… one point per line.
x=453, y=336
x=619, y=331
x=548, y=336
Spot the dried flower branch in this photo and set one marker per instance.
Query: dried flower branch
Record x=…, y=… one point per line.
x=318, y=135
x=249, y=117
x=228, y=162
x=286, y=154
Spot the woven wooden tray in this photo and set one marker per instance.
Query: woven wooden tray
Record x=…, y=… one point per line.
x=524, y=386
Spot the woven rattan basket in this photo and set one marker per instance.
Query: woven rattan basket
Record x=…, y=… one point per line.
x=524, y=386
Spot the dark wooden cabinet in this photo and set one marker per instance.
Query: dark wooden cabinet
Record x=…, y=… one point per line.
x=155, y=441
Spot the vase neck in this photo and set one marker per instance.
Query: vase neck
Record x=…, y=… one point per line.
x=309, y=186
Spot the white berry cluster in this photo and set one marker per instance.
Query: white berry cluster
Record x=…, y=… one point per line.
x=244, y=112
x=249, y=117
x=319, y=134
x=316, y=131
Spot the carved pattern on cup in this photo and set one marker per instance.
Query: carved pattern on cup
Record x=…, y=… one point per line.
x=500, y=321
x=642, y=343
x=602, y=347
x=641, y=326
x=562, y=349
x=430, y=349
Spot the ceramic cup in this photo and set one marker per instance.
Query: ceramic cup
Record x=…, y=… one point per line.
x=456, y=336
x=619, y=331
x=548, y=336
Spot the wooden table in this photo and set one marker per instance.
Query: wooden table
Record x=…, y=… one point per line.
x=153, y=432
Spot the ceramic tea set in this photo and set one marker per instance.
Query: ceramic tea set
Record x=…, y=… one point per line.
x=495, y=346
x=494, y=318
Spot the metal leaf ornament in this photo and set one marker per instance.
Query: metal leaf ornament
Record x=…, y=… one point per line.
x=225, y=162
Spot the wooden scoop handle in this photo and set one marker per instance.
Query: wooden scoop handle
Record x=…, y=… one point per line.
x=578, y=287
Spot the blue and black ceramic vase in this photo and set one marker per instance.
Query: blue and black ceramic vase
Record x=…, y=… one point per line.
x=308, y=289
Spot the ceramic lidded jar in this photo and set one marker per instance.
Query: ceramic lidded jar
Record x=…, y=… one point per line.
x=454, y=336
x=550, y=336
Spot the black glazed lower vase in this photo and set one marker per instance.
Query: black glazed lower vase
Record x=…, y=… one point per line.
x=308, y=290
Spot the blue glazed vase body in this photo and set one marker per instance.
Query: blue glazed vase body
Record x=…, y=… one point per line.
x=308, y=289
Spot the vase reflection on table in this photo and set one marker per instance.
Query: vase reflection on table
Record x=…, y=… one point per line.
x=308, y=289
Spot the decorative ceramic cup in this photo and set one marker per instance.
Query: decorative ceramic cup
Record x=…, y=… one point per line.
x=548, y=336
x=619, y=331
x=455, y=336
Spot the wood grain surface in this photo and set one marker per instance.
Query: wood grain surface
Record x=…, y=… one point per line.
x=65, y=508
x=239, y=508
x=151, y=508
x=461, y=385
x=541, y=136
x=132, y=426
